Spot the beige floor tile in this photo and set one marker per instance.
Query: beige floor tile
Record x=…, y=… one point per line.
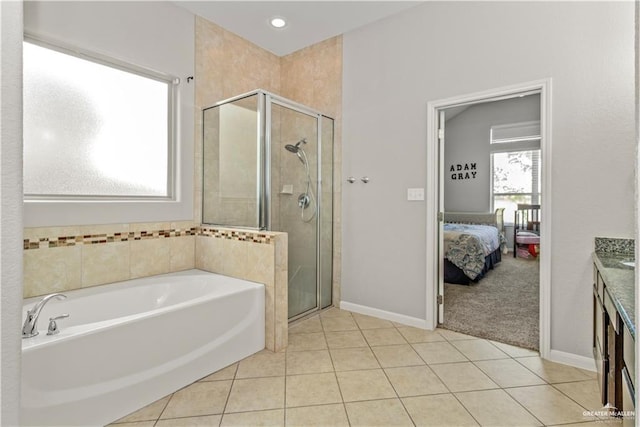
x=306, y=326
x=227, y=373
x=369, y=322
x=305, y=342
x=509, y=373
x=514, y=351
x=309, y=362
x=496, y=408
x=416, y=335
x=388, y=412
x=454, y=336
x=318, y=416
x=353, y=359
x=364, y=385
x=262, y=364
x=332, y=324
x=585, y=393
x=438, y=410
x=415, y=381
x=335, y=312
x=134, y=424
x=312, y=389
x=255, y=394
x=150, y=412
x=553, y=372
x=274, y=417
x=463, y=377
x=479, y=350
x=548, y=404
x=201, y=398
x=438, y=352
x=391, y=356
x=208, y=421
x=383, y=337
x=345, y=339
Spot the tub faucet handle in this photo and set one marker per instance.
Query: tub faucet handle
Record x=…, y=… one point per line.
x=53, y=326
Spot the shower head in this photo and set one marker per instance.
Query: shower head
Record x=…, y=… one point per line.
x=295, y=148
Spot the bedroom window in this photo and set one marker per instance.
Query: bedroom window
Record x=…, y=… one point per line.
x=95, y=128
x=515, y=163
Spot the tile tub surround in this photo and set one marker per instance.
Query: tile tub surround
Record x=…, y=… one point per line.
x=341, y=370
x=257, y=256
x=60, y=259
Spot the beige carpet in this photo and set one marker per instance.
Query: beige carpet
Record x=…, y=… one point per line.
x=504, y=306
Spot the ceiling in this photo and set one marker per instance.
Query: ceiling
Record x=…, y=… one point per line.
x=308, y=22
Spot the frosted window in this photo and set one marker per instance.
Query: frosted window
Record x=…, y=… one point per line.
x=93, y=130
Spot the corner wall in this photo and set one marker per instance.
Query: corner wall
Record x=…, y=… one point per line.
x=10, y=210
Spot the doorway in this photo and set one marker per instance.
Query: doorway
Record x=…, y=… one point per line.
x=491, y=165
x=439, y=165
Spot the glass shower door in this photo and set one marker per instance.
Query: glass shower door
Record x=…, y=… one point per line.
x=294, y=199
x=231, y=171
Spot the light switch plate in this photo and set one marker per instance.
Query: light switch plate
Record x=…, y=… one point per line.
x=415, y=193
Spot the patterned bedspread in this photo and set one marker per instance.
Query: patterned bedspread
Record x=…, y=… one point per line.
x=467, y=245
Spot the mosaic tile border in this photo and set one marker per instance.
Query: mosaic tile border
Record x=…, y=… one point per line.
x=614, y=246
x=93, y=239
x=244, y=236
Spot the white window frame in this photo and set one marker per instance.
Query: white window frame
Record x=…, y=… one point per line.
x=526, y=142
x=177, y=206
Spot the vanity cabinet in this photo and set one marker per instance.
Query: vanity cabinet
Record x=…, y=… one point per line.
x=600, y=328
x=613, y=347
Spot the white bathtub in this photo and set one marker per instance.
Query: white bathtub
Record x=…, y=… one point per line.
x=128, y=344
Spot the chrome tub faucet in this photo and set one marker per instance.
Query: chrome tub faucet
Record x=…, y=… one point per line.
x=30, y=327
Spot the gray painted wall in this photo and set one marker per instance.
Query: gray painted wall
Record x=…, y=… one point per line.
x=467, y=142
x=438, y=50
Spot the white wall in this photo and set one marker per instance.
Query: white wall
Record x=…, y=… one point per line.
x=467, y=141
x=154, y=35
x=10, y=209
x=438, y=50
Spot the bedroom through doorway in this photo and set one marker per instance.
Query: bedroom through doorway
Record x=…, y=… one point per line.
x=490, y=183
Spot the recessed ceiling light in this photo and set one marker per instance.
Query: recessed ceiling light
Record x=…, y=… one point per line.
x=278, y=22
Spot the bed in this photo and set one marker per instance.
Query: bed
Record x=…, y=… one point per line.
x=473, y=244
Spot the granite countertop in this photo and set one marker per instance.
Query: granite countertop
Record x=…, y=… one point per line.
x=619, y=280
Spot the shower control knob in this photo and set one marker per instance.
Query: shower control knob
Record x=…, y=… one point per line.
x=351, y=180
x=364, y=179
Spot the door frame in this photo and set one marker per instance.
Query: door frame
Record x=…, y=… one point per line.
x=434, y=262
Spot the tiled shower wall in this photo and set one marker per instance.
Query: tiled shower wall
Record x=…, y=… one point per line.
x=227, y=65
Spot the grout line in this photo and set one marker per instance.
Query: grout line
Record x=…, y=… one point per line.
x=163, y=409
x=335, y=373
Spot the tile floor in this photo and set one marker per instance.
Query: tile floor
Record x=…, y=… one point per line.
x=346, y=369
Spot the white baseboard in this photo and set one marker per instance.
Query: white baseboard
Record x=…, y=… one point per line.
x=382, y=314
x=587, y=363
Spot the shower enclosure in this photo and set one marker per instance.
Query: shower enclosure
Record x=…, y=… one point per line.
x=268, y=165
